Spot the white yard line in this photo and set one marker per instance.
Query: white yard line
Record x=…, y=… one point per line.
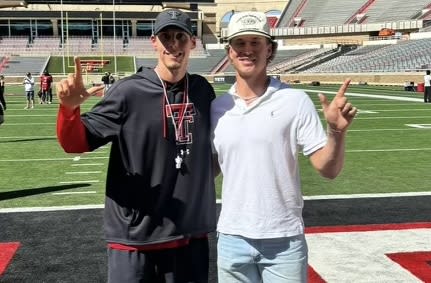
x=75, y=193
x=391, y=117
x=400, y=110
x=29, y=137
x=87, y=164
x=26, y=124
x=51, y=208
x=382, y=195
x=389, y=150
x=51, y=159
x=83, y=172
x=32, y=115
x=399, y=98
x=378, y=130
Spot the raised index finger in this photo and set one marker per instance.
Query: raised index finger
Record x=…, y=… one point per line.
x=343, y=88
x=78, y=72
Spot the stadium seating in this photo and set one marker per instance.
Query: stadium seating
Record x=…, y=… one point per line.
x=20, y=65
x=402, y=57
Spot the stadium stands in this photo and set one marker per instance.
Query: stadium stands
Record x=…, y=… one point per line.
x=20, y=65
x=312, y=27
x=406, y=56
x=330, y=12
x=387, y=11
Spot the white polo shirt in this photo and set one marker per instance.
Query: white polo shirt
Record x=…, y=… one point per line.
x=427, y=79
x=257, y=151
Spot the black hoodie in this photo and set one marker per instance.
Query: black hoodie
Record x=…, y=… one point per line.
x=148, y=200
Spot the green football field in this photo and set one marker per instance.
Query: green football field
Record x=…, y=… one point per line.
x=387, y=151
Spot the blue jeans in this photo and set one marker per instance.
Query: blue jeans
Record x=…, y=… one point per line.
x=262, y=260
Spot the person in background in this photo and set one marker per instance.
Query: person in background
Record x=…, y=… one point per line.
x=427, y=87
x=259, y=128
x=105, y=80
x=111, y=79
x=45, y=86
x=29, y=90
x=2, y=92
x=160, y=194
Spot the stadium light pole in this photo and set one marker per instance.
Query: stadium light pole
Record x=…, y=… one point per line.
x=62, y=37
x=115, y=37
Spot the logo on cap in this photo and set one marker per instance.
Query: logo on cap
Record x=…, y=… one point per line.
x=174, y=14
x=248, y=21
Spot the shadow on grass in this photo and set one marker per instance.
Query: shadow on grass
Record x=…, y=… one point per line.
x=37, y=191
x=28, y=140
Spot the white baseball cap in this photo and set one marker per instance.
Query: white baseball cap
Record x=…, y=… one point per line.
x=248, y=23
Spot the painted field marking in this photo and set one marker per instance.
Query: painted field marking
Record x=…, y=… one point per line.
x=388, y=150
x=398, y=98
x=83, y=172
x=76, y=193
x=26, y=124
x=29, y=137
x=339, y=252
x=50, y=159
x=51, y=208
x=87, y=164
x=380, y=195
x=382, y=130
x=420, y=126
x=7, y=252
x=401, y=110
x=392, y=117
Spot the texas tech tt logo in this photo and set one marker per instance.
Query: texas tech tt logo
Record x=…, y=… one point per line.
x=182, y=116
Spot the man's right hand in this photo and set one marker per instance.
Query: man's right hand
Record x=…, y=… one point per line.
x=71, y=92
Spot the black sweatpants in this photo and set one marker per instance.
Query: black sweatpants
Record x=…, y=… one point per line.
x=188, y=264
x=427, y=94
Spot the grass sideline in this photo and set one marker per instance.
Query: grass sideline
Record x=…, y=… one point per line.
x=387, y=151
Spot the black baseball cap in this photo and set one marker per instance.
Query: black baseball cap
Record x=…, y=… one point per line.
x=174, y=18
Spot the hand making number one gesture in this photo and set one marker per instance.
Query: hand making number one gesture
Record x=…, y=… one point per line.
x=339, y=113
x=71, y=92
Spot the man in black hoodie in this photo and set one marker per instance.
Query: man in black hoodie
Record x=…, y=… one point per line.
x=160, y=197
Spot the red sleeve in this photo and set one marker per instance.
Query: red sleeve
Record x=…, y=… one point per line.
x=71, y=132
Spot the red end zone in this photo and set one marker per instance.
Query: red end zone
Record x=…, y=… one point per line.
x=7, y=251
x=418, y=263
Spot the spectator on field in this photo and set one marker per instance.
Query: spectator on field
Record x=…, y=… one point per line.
x=259, y=127
x=45, y=86
x=160, y=196
x=111, y=80
x=106, y=81
x=427, y=87
x=2, y=93
x=29, y=90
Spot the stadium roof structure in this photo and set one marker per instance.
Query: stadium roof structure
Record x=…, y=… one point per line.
x=13, y=3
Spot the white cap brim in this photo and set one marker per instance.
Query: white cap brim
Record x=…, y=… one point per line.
x=249, y=32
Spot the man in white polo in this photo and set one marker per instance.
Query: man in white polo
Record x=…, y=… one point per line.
x=259, y=127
